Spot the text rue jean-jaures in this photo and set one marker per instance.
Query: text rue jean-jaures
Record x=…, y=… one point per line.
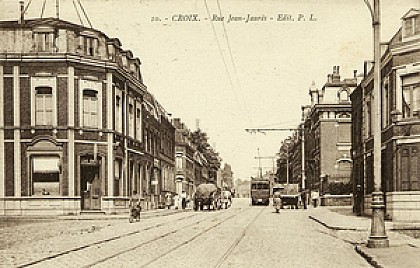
x=231, y=18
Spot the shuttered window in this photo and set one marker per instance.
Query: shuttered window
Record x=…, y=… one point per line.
x=409, y=169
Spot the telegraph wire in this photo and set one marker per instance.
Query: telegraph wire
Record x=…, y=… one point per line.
x=218, y=44
x=84, y=12
x=78, y=14
x=221, y=54
x=43, y=8
x=26, y=8
x=233, y=62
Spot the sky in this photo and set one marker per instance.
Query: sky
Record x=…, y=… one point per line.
x=230, y=75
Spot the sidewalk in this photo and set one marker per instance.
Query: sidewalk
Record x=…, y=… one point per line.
x=404, y=251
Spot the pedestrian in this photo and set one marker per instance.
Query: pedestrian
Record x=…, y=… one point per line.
x=168, y=200
x=304, y=198
x=183, y=200
x=314, y=197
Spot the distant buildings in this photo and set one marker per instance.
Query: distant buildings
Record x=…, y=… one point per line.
x=326, y=138
x=327, y=126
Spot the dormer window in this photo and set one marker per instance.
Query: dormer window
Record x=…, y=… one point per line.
x=44, y=39
x=88, y=43
x=411, y=24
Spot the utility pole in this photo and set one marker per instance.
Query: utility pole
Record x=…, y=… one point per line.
x=301, y=129
x=378, y=237
x=259, y=162
x=266, y=157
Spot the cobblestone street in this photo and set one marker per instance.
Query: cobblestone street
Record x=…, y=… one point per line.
x=242, y=236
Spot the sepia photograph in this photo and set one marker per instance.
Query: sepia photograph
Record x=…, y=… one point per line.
x=210, y=133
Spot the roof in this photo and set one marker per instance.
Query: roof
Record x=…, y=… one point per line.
x=411, y=13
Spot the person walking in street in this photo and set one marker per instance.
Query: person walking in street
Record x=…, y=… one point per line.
x=184, y=199
x=304, y=198
x=135, y=205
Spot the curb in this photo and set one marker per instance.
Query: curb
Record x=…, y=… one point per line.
x=338, y=228
x=369, y=258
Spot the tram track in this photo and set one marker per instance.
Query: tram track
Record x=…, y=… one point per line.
x=186, y=242
x=102, y=241
x=237, y=241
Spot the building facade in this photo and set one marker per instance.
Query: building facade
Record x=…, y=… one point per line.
x=185, y=159
x=400, y=99
x=78, y=128
x=327, y=125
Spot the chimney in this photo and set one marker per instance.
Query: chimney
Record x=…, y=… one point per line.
x=22, y=12
x=329, y=78
x=336, y=74
x=313, y=92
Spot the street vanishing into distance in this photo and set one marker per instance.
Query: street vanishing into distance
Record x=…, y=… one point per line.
x=240, y=236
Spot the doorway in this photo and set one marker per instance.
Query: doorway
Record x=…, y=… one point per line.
x=90, y=186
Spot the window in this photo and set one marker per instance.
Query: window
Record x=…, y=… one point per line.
x=43, y=101
x=408, y=27
x=368, y=118
x=88, y=43
x=117, y=177
x=43, y=106
x=45, y=175
x=343, y=95
x=90, y=100
x=411, y=26
x=146, y=140
x=385, y=103
x=409, y=171
x=131, y=120
x=138, y=124
x=178, y=162
x=44, y=39
x=90, y=108
x=117, y=113
x=411, y=101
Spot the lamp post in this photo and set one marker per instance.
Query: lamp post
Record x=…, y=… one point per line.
x=378, y=237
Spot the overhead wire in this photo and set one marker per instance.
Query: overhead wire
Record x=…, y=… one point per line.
x=43, y=8
x=233, y=62
x=84, y=12
x=78, y=14
x=26, y=8
x=221, y=53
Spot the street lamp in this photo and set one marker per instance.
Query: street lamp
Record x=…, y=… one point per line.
x=378, y=237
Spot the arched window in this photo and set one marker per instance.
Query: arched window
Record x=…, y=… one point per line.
x=343, y=95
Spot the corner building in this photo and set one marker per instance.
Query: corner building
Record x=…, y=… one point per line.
x=78, y=128
x=400, y=127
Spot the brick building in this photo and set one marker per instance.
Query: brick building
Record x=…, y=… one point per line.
x=400, y=103
x=78, y=128
x=327, y=130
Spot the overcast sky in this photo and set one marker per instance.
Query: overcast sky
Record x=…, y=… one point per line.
x=262, y=72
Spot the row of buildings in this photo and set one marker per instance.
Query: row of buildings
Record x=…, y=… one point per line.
x=336, y=132
x=80, y=131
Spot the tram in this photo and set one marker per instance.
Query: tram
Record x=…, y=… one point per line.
x=260, y=191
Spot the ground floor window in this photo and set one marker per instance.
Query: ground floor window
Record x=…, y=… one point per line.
x=118, y=177
x=45, y=175
x=409, y=179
